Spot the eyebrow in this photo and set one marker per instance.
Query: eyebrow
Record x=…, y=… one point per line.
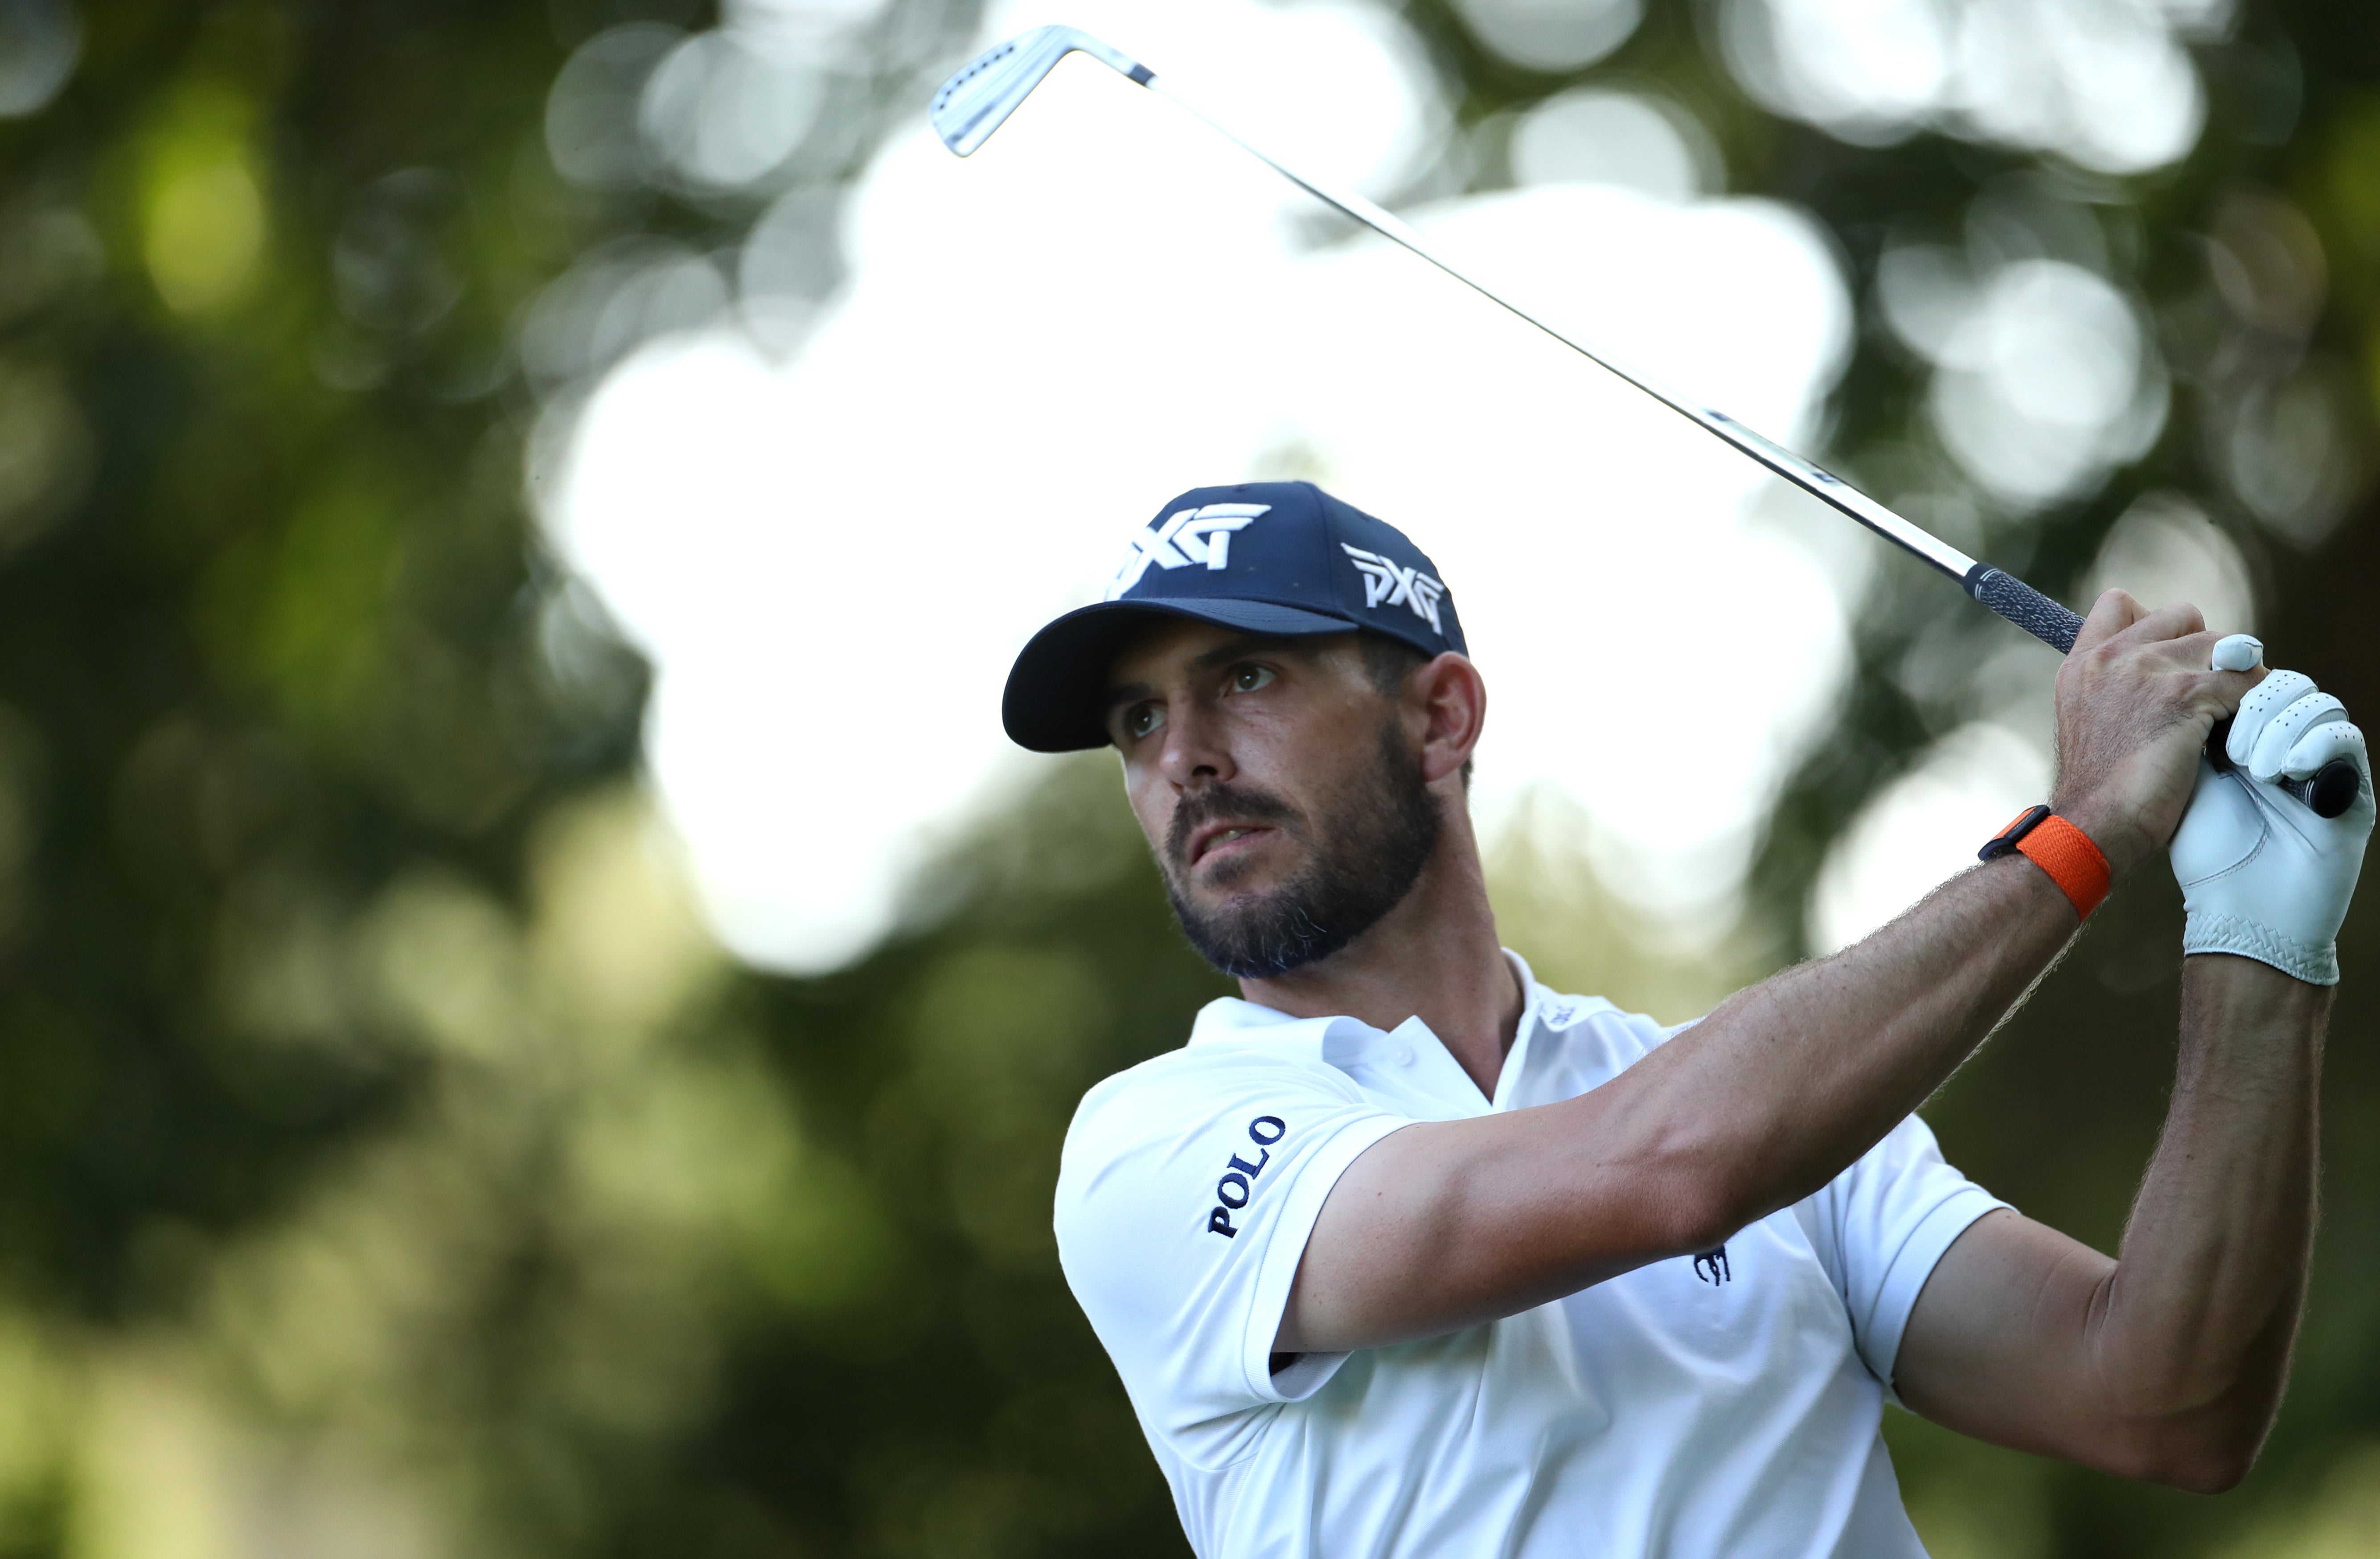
x=1222, y=655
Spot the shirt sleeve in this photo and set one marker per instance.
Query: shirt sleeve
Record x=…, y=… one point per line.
x=1185, y=1195
x=1882, y=1225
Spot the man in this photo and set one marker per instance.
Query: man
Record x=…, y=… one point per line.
x=1405, y=1254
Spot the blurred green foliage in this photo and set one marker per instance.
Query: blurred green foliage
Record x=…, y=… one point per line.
x=390, y=1163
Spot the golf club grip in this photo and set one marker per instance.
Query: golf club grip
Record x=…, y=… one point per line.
x=2328, y=793
x=2022, y=604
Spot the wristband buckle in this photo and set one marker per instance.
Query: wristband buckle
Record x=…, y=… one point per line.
x=2006, y=840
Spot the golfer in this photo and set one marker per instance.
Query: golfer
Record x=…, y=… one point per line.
x=1404, y=1253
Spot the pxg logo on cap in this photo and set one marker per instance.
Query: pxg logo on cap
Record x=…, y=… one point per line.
x=1389, y=582
x=1187, y=536
x=1278, y=559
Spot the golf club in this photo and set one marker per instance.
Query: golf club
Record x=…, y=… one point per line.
x=979, y=100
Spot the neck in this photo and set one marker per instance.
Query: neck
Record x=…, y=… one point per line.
x=1434, y=956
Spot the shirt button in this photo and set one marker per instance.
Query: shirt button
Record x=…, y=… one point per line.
x=1403, y=1055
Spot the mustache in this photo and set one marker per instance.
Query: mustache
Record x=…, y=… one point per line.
x=1237, y=804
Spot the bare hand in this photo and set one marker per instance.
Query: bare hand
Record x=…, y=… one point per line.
x=2135, y=701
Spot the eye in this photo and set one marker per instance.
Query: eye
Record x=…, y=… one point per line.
x=1247, y=679
x=1142, y=719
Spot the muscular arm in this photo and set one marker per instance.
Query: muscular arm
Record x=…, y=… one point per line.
x=2168, y=1361
x=1446, y=1225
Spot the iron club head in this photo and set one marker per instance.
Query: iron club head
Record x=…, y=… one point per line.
x=980, y=98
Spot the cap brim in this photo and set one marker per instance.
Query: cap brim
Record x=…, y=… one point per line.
x=1056, y=698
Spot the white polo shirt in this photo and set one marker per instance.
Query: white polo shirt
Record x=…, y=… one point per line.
x=1684, y=1408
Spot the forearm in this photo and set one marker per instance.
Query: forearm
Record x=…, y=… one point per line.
x=2168, y=1363
x=1785, y=1085
x=2189, y=1336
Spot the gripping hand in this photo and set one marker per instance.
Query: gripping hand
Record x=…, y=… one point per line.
x=2262, y=876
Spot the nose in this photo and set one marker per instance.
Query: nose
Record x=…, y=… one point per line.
x=1195, y=754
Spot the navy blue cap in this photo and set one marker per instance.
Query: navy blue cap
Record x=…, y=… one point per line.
x=1276, y=558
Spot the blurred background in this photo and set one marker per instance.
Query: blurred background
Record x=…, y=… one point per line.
x=537, y=1010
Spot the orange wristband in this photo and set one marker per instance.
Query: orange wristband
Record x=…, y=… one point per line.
x=2058, y=848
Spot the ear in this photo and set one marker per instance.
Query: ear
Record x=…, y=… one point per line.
x=1449, y=699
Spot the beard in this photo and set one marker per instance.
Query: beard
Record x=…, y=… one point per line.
x=1365, y=850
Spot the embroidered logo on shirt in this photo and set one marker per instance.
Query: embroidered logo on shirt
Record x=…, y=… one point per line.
x=1716, y=1261
x=1239, y=1181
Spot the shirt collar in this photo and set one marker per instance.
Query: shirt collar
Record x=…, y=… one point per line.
x=1231, y=1015
x=1232, y=1020
x=1229, y=1022
x=1532, y=1001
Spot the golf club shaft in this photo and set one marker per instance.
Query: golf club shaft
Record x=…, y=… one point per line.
x=1810, y=478
x=2328, y=793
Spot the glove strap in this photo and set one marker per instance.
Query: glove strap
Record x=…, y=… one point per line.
x=2058, y=848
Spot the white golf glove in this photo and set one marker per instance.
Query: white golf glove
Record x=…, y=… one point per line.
x=2260, y=875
